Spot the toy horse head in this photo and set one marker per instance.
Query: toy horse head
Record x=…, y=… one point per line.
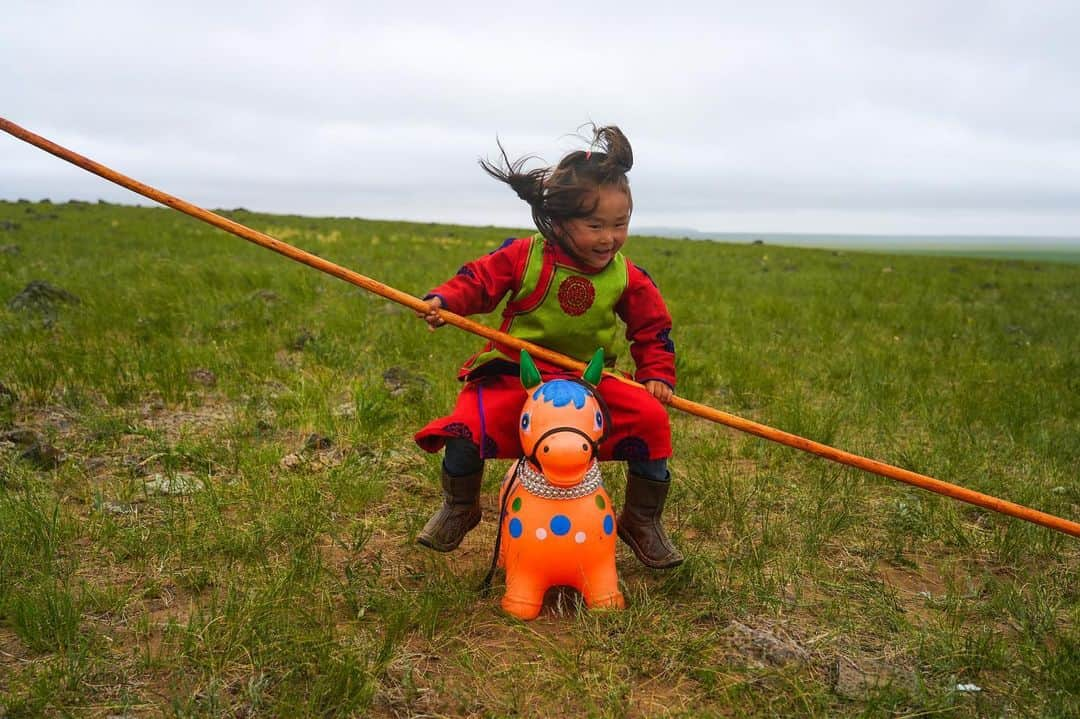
x=562, y=422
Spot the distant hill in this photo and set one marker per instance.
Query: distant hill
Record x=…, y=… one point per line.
x=1060, y=249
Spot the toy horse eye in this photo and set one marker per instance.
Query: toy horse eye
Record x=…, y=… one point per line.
x=599, y=419
x=525, y=421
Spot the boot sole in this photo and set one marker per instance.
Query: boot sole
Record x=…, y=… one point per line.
x=430, y=544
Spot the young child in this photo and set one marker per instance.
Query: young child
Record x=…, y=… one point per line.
x=566, y=285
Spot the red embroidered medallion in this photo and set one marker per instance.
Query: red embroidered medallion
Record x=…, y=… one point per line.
x=576, y=295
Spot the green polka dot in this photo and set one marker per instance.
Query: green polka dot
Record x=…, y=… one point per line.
x=600, y=502
x=516, y=504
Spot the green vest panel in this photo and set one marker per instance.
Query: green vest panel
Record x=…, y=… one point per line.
x=563, y=309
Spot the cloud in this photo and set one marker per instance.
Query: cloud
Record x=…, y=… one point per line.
x=866, y=116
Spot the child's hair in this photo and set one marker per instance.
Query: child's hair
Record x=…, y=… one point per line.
x=568, y=190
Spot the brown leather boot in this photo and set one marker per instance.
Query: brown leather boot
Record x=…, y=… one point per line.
x=459, y=513
x=639, y=523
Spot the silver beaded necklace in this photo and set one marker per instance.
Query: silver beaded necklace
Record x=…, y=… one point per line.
x=535, y=483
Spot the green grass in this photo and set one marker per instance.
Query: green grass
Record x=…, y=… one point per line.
x=291, y=585
x=1037, y=255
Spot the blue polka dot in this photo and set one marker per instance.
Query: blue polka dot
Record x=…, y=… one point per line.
x=609, y=524
x=515, y=528
x=560, y=524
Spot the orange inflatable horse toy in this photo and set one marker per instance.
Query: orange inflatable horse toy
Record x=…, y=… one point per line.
x=557, y=526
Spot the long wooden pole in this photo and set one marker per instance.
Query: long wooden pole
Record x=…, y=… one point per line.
x=764, y=431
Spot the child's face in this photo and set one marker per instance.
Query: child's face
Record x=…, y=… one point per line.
x=595, y=239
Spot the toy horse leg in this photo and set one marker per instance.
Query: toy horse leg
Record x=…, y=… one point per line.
x=524, y=596
x=600, y=588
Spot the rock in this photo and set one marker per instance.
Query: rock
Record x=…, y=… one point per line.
x=855, y=681
x=181, y=484
x=767, y=645
x=203, y=376
x=39, y=294
x=138, y=467
x=849, y=681
x=363, y=451
x=41, y=297
x=291, y=461
x=9, y=250
x=8, y=225
x=346, y=410
x=43, y=455
x=114, y=508
x=21, y=436
x=316, y=441
x=399, y=380
x=301, y=340
x=93, y=464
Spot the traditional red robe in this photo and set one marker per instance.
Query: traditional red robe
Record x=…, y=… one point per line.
x=487, y=409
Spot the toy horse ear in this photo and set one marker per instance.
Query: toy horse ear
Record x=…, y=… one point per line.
x=530, y=376
x=595, y=370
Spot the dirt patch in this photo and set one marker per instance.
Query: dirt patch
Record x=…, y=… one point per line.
x=462, y=674
x=855, y=678
x=12, y=650
x=53, y=420
x=918, y=588
x=202, y=420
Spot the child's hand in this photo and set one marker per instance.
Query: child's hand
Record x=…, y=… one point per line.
x=432, y=315
x=659, y=390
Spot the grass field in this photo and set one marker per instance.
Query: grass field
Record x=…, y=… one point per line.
x=1034, y=255
x=209, y=492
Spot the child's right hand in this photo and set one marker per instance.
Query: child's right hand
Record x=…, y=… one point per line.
x=432, y=315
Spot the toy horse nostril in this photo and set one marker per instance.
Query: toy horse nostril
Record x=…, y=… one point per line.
x=547, y=449
x=584, y=448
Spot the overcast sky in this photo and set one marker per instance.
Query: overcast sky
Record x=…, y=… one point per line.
x=865, y=117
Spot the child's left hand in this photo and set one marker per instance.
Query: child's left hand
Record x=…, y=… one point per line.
x=659, y=390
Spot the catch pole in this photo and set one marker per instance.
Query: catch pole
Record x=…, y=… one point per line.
x=760, y=430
